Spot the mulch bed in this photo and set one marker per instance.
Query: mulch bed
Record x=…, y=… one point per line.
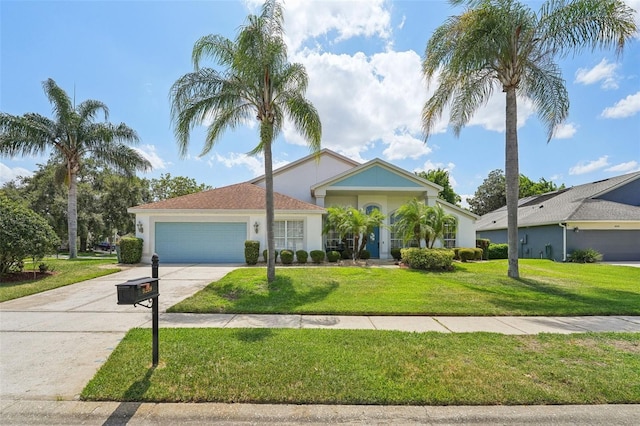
x=25, y=276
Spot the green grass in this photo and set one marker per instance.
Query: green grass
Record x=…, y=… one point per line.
x=371, y=367
x=65, y=272
x=546, y=288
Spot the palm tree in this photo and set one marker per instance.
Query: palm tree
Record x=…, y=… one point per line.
x=502, y=44
x=257, y=81
x=438, y=219
x=349, y=220
x=412, y=222
x=73, y=136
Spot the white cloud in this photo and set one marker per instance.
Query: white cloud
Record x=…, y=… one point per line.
x=254, y=163
x=430, y=165
x=604, y=72
x=149, y=152
x=8, y=174
x=565, y=131
x=582, y=168
x=628, y=167
x=335, y=21
x=626, y=107
x=403, y=146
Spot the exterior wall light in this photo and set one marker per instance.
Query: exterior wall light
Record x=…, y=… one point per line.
x=140, y=227
x=256, y=226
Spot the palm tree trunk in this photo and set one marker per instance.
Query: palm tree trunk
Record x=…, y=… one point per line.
x=72, y=215
x=266, y=135
x=512, y=180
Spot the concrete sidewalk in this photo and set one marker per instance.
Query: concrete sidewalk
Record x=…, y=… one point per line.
x=52, y=344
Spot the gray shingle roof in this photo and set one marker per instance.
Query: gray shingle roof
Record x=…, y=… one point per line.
x=241, y=196
x=578, y=203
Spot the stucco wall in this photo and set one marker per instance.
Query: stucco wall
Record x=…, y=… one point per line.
x=534, y=242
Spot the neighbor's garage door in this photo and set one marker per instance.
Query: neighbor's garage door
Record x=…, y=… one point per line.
x=200, y=242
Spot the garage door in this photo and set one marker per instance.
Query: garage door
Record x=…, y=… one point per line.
x=216, y=242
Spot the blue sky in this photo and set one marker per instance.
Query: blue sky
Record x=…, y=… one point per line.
x=363, y=59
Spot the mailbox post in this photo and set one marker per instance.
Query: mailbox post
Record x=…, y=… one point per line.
x=134, y=292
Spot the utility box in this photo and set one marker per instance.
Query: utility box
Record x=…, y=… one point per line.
x=138, y=290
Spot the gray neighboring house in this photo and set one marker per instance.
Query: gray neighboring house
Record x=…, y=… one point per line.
x=603, y=215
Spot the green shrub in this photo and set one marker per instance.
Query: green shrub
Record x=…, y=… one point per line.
x=456, y=253
x=130, y=250
x=333, y=256
x=23, y=234
x=251, y=251
x=302, y=256
x=365, y=254
x=479, y=252
x=396, y=254
x=428, y=259
x=498, y=251
x=347, y=254
x=467, y=254
x=317, y=256
x=483, y=243
x=286, y=257
x=264, y=255
x=585, y=256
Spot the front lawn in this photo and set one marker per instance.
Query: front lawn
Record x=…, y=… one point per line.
x=546, y=288
x=371, y=367
x=65, y=272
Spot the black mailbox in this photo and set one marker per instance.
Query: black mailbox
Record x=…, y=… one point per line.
x=138, y=290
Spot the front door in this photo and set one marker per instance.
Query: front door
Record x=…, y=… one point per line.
x=373, y=242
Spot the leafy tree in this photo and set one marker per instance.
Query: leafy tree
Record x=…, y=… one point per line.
x=491, y=194
x=169, y=187
x=73, y=136
x=256, y=81
x=23, y=234
x=349, y=220
x=441, y=177
x=503, y=44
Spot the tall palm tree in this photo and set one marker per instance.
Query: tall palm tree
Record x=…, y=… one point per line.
x=73, y=136
x=258, y=82
x=502, y=44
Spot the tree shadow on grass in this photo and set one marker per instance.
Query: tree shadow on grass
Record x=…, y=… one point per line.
x=526, y=296
x=280, y=297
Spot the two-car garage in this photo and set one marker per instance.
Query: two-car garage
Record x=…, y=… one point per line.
x=200, y=242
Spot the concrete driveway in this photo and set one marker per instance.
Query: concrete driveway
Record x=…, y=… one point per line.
x=52, y=343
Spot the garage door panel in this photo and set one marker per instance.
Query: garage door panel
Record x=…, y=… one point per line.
x=201, y=242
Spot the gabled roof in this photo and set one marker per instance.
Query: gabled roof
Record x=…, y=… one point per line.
x=241, y=196
x=578, y=203
x=458, y=209
x=411, y=177
x=310, y=157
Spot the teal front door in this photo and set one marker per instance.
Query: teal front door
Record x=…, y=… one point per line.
x=373, y=241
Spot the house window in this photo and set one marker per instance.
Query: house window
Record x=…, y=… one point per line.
x=449, y=236
x=289, y=234
x=396, y=240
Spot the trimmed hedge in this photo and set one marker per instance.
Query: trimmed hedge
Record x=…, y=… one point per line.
x=467, y=254
x=317, y=256
x=302, y=256
x=396, y=254
x=428, y=259
x=130, y=250
x=333, y=256
x=264, y=255
x=498, y=251
x=483, y=243
x=347, y=254
x=479, y=252
x=286, y=257
x=251, y=251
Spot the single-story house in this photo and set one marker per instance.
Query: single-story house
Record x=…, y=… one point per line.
x=212, y=226
x=602, y=215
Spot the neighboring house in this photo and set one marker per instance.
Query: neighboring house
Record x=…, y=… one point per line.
x=603, y=215
x=212, y=226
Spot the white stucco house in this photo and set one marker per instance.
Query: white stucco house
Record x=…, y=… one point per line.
x=212, y=226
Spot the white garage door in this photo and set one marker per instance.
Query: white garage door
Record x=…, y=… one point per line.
x=198, y=242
